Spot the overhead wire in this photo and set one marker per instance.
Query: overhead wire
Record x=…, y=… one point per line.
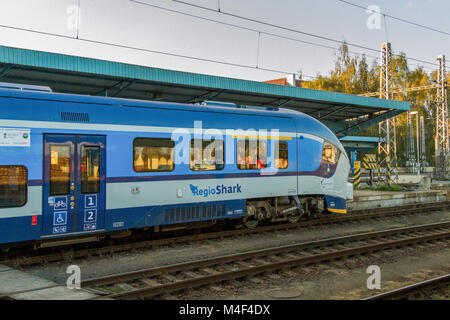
x=273, y=70
x=156, y=51
x=222, y=12
x=397, y=18
x=257, y=31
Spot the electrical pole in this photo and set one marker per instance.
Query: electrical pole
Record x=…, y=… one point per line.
x=387, y=145
x=423, y=153
x=411, y=153
x=442, y=130
x=418, y=146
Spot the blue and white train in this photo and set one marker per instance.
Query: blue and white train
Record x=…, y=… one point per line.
x=74, y=166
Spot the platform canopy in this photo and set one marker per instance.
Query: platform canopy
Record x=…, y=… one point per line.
x=359, y=144
x=342, y=113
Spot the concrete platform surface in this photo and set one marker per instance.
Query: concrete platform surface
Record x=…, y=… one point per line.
x=440, y=185
x=440, y=182
x=370, y=199
x=4, y=268
x=370, y=193
x=20, y=285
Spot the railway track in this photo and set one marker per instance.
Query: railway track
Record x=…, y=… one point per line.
x=411, y=291
x=354, y=216
x=154, y=282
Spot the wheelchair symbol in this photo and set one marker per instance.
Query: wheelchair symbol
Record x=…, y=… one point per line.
x=60, y=218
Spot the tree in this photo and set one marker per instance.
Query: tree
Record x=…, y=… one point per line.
x=352, y=75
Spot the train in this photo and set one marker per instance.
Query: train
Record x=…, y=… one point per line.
x=74, y=167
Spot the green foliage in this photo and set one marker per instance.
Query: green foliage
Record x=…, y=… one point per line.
x=384, y=187
x=354, y=76
x=350, y=75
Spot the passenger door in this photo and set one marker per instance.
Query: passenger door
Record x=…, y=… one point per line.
x=74, y=184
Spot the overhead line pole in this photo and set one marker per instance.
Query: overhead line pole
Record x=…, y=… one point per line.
x=411, y=151
x=423, y=155
x=387, y=144
x=442, y=126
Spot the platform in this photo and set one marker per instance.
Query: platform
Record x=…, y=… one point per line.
x=370, y=199
x=440, y=185
x=20, y=285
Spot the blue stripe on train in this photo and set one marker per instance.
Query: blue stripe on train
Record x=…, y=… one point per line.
x=167, y=177
x=319, y=173
x=20, y=229
x=196, y=177
x=120, y=219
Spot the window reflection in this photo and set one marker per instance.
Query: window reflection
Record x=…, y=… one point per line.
x=59, y=170
x=13, y=186
x=281, y=154
x=90, y=169
x=251, y=154
x=207, y=155
x=153, y=154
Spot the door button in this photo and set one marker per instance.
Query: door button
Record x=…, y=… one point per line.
x=72, y=198
x=72, y=188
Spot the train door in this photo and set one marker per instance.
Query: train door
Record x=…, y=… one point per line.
x=74, y=184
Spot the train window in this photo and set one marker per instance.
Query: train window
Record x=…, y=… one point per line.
x=281, y=154
x=90, y=169
x=330, y=153
x=60, y=164
x=207, y=155
x=251, y=154
x=153, y=154
x=13, y=186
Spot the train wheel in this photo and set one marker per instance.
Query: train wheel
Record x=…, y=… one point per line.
x=294, y=218
x=250, y=222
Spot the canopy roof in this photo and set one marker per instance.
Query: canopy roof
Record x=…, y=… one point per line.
x=342, y=113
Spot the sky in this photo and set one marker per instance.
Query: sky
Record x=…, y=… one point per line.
x=138, y=32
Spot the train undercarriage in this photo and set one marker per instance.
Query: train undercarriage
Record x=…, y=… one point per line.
x=289, y=208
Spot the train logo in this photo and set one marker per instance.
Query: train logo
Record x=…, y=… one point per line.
x=218, y=190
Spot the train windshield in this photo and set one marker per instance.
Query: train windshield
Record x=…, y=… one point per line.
x=330, y=153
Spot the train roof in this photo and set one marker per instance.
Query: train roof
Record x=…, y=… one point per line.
x=303, y=123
